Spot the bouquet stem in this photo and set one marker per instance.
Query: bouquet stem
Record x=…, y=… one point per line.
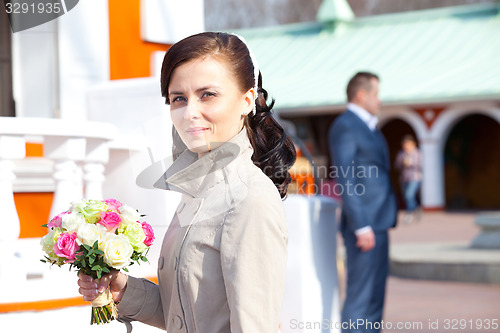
x=103, y=309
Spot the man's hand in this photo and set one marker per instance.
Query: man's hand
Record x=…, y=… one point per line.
x=366, y=240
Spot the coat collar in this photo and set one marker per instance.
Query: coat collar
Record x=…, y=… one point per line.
x=192, y=175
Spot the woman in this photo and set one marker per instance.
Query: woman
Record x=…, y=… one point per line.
x=223, y=258
x=409, y=163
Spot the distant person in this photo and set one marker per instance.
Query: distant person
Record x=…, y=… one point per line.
x=360, y=155
x=409, y=163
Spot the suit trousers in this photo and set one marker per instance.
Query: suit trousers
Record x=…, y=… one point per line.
x=366, y=280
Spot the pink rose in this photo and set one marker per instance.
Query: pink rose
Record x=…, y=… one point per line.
x=150, y=236
x=110, y=220
x=113, y=204
x=56, y=222
x=66, y=247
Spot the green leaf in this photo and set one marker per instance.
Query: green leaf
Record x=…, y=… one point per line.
x=144, y=259
x=95, y=268
x=43, y=260
x=125, y=269
x=105, y=270
x=44, y=225
x=96, y=245
x=99, y=252
x=86, y=247
x=91, y=260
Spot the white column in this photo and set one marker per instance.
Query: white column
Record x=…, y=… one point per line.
x=83, y=54
x=433, y=196
x=311, y=286
x=168, y=21
x=65, y=151
x=97, y=156
x=11, y=147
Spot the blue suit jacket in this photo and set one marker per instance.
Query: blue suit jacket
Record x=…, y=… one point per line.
x=361, y=168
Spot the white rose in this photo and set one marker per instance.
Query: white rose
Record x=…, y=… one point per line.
x=88, y=233
x=77, y=204
x=48, y=242
x=72, y=222
x=129, y=214
x=117, y=251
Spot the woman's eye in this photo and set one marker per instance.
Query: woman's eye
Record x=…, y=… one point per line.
x=179, y=99
x=207, y=95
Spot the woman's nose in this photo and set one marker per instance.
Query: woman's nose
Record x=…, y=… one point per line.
x=192, y=110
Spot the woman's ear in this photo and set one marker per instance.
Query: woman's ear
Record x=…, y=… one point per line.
x=249, y=101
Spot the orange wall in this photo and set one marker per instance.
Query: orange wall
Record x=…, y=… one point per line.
x=129, y=55
x=33, y=208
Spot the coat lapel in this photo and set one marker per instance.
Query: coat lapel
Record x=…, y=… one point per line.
x=375, y=137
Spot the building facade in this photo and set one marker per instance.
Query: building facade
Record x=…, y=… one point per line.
x=439, y=73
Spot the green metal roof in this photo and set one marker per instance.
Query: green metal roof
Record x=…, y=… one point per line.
x=427, y=56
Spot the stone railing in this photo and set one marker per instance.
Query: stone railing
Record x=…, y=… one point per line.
x=79, y=151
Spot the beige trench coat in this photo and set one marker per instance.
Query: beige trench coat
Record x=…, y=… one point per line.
x=223, y=259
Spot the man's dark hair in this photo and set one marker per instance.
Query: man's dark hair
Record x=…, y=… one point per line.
x=408, y=137
x=359, y=81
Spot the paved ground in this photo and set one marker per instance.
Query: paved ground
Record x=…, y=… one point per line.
x=440, y=306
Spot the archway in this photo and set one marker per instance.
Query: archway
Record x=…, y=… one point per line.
x=393, y=131
x=472, y=164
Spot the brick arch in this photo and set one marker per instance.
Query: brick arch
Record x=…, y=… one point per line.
x=452, y=116
x=407, y=115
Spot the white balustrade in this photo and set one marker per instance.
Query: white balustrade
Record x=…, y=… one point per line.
x=66, y=152
x=11, y=147
x=72, y=145
x=97, y=155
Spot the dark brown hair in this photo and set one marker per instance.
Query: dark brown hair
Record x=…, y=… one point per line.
x=359, y=81
x=408, y=137
x=274, y=152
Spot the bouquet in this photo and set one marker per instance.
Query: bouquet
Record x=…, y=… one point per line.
x=95, y=237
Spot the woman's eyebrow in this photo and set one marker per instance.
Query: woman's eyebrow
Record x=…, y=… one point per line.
x=212, y=86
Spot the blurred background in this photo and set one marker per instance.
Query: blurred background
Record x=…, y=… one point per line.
x=81, y=115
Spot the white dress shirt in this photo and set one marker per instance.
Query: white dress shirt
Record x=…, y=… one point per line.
x=369, y=119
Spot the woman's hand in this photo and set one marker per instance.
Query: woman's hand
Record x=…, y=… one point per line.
x=90, y=288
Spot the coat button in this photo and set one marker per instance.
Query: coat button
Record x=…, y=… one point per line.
x=177, y=322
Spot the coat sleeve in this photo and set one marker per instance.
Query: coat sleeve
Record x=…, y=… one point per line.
x=253, y=257
x=142, y=302
x=343, y=150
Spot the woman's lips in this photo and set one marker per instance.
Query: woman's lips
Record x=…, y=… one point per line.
x=196, y=130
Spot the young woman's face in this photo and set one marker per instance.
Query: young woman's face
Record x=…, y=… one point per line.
x=206, y=104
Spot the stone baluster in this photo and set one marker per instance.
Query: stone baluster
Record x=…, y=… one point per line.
x=66, y=152
x=97, y=156
x=11, y=147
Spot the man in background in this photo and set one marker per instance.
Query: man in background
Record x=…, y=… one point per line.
x=360, y=156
